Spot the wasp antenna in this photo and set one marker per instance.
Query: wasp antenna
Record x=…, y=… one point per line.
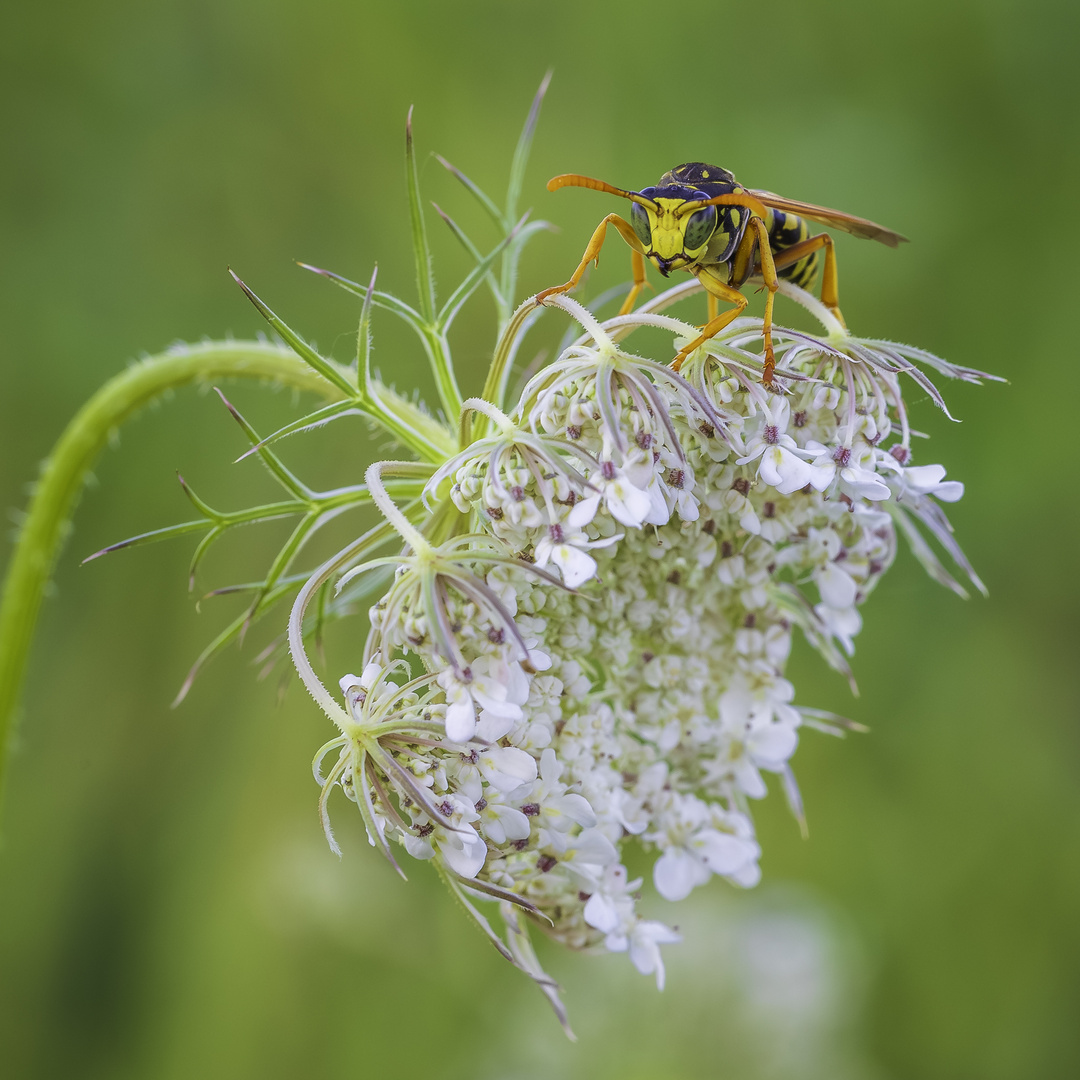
x=577, y=180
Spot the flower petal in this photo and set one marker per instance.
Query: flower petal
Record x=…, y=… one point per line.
x=837, y=589
x=461, y=720
x=577, y=566
x=677, y=872
x=464, y=852
x=723, y=853
x=601, y=913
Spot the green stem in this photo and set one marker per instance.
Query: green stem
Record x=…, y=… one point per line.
x=410, y=425
x=438, y=351
x=65, y=471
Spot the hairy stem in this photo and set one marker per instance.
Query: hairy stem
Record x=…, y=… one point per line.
x=65, y=471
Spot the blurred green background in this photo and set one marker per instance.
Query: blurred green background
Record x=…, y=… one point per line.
x=167, y=905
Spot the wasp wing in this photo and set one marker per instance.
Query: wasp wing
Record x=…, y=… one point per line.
x=857, y=226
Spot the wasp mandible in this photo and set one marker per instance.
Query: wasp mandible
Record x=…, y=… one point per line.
x=698, y=218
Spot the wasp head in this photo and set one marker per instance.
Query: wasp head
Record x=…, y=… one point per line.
x=673, y=235
x=670, y=221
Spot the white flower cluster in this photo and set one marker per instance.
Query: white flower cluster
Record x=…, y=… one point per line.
x=595, y=651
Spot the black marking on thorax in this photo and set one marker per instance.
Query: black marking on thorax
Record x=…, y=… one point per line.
x=699, y=175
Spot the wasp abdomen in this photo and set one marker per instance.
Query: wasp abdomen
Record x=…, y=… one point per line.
x=786, y=230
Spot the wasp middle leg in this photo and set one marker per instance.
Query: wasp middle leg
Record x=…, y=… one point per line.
x=754, y=255
x=592, y=255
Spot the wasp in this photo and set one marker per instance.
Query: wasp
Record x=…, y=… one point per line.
x=698, y=218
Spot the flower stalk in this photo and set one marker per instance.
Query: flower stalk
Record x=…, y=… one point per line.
x=57, y=491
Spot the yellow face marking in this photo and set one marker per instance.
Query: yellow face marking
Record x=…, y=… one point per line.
x=667, y=230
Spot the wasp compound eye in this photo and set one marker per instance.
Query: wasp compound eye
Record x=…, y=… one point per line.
x=639, y=218
x=699, y=228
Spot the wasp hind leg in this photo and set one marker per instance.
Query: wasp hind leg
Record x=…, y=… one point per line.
x=592, y=255
x=637, y=269
x=830, y=292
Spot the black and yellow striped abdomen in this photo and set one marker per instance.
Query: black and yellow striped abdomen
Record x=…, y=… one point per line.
x=786, y=230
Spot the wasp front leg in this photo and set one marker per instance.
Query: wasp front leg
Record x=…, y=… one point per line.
x=756, y=238
x=592, y=255
x=717, y=290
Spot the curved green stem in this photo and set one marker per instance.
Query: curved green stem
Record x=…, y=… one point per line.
x=71, y=459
